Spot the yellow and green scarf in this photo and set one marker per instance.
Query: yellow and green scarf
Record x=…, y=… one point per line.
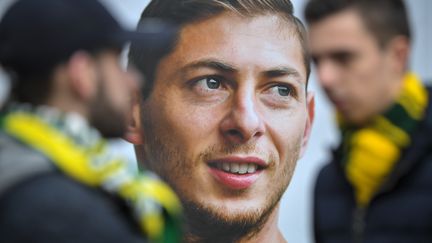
x=370, y=153
x=81, y=153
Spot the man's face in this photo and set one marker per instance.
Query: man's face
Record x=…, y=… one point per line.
x=355, y=72
x=229, y=115
x=110, y=108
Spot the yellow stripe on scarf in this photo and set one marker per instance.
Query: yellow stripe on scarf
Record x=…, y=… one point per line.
x=370, y=162
x=60, y=149
x=414, y=97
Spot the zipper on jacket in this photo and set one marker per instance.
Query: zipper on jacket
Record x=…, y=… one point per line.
x=358, y=224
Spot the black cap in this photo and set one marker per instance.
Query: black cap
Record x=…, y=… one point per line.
x=37, y=34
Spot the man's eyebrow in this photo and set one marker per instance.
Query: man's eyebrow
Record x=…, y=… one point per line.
x=343, y=54
x=282, y=71
x=212, y=64
x=335, y=54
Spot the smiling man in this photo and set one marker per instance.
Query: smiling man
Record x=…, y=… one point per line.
x=226, y=114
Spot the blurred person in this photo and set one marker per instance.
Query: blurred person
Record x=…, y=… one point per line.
x=58, y=181
x=377, y=187
x=226, y=113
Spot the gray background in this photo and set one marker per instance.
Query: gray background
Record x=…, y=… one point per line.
x=295, y=216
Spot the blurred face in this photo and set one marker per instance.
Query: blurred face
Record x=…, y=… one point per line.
x=355, y=72
x=229, y=116
x=110, y=108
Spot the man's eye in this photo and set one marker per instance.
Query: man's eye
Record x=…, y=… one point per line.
x=209, y=89
x=212, y=83
x=208, y=83
x=344, y=57
x=282, y=90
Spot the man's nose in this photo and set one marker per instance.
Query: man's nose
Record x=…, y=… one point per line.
x=327, y=74
x=243, y=122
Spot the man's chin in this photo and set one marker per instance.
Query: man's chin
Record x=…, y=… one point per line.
x=235, y=214
x=230, y=222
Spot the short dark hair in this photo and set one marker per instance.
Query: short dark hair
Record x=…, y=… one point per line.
x=183, y=12
x=385, y=19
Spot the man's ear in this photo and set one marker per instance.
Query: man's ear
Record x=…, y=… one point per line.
x=399, y=48
x=82, y=75
x=310, y=99
x=134, y=130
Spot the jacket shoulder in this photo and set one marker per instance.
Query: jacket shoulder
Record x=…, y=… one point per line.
x=53, y=208
x=19, y=162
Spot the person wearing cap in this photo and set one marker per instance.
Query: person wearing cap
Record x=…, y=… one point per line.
x=58, y=180
x=377, y=187
x=226, y=113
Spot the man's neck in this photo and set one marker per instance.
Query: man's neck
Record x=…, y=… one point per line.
x=269, y=232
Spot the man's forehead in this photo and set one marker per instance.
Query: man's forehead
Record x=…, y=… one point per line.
x=210, y=37
x=342, y=31
x=345, y=22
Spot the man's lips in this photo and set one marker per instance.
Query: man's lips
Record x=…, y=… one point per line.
x=237, y=172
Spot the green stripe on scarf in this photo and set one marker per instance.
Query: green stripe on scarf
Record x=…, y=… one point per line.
x=400, y=118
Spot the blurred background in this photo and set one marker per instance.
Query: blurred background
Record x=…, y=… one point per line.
x=295, y=212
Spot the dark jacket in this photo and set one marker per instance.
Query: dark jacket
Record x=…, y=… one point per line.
x=401, y=212
x=40, y=204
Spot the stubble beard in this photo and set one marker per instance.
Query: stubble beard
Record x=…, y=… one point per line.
x=204, y=222
x=110, y=122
